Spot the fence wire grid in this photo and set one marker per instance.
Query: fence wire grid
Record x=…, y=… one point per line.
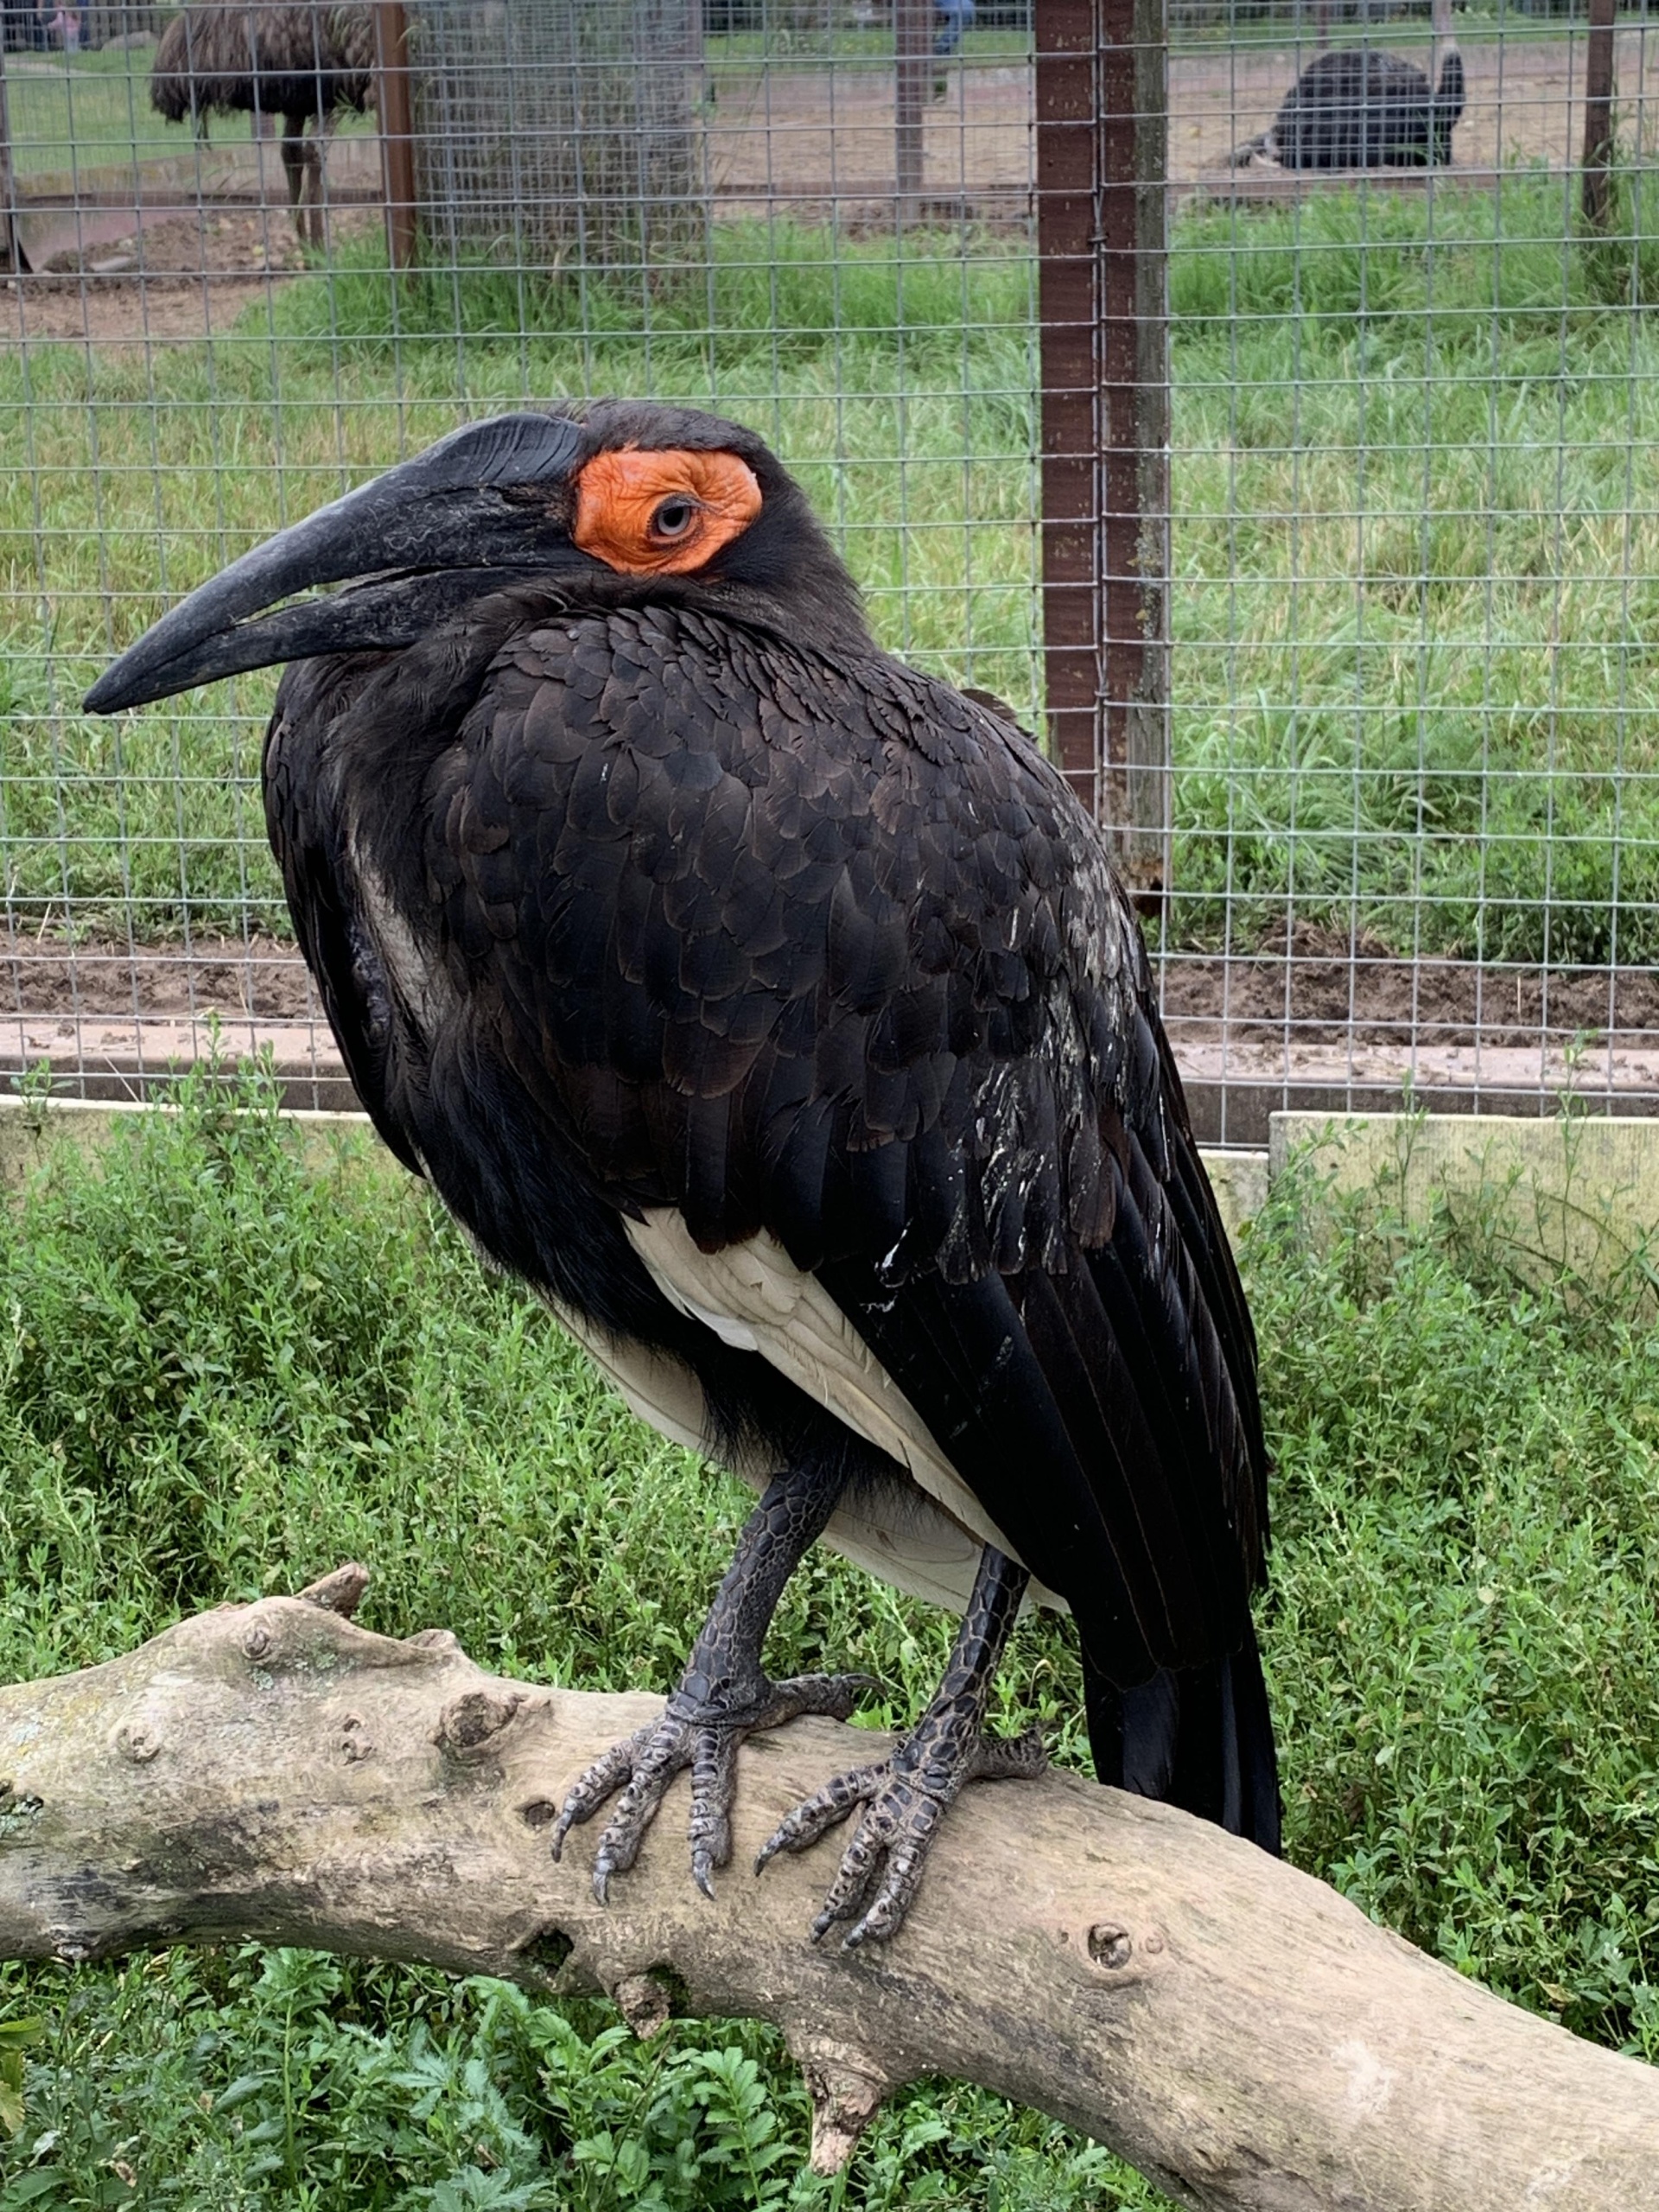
x=1383, y=480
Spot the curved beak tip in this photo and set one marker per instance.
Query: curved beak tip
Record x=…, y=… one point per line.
x=104, y=697
x=440, y=518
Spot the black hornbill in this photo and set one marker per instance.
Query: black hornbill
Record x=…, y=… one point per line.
x=774, y=1011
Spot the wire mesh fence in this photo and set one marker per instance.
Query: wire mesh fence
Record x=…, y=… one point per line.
x=1391, y=796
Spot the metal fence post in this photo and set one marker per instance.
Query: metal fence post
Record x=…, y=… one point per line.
x=1102, y=157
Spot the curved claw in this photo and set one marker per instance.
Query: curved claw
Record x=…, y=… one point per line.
x=903, y=1798
x=713, y=1786
x=642, y=1767
x=824, y=1809
x=594, y=1785
x=886, y=1853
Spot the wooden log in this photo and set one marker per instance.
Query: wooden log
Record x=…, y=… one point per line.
x=1234, y=2027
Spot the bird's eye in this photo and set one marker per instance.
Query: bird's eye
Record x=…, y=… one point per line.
x=673, y=520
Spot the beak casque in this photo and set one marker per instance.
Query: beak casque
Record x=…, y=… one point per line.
x=436, y=531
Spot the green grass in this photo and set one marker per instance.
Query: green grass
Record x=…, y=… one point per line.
x=221, y=1373
x=1413, y=683
x=89, y=110
x=73, y=114
x=1414, y=564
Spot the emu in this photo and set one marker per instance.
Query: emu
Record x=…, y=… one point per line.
x=302, y=59
x=1353, y=109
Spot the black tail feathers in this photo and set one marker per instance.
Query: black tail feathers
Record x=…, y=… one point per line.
x=1201, y=1739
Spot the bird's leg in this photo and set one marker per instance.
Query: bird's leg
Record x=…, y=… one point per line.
x=311, y=192
x=293, y=152
x=322, y=139
x=724, y=1694
x=904, y=1797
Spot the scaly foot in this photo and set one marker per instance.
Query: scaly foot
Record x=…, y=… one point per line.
x=703, y=1734
x=905, y=1798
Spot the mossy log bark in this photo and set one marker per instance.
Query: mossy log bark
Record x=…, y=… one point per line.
x=1238, y=2030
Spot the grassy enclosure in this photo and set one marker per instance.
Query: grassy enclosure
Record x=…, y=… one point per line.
x=223, y=1372
x=1414, y=573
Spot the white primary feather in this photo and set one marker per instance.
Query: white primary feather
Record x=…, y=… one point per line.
x=925, y=1535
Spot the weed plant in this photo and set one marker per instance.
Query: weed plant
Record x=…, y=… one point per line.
x=222, y=1371
x=1414, y=567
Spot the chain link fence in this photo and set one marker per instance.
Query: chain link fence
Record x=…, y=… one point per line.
x=1390, y=797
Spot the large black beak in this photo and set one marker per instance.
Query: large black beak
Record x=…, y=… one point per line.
x=471, y=512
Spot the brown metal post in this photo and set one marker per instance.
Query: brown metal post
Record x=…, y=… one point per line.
x=397, y=129
x=912, y=39
x=1101, y=154
x=1598, y=115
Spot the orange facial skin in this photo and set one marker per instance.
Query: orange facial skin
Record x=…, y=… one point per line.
x=662, y=514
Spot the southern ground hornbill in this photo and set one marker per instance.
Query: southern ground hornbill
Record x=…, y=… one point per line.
x=774, y=1011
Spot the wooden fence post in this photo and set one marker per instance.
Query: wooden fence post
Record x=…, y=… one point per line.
x=1101, y=159
x=1598, y=115
x=397, y=129
x=11, y=255
x=912, y=27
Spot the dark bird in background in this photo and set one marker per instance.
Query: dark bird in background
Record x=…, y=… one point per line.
x=774, y=1011
x=302, y=59
x=1354, y=109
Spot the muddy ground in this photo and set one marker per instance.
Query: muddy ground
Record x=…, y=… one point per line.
x=1325, y=989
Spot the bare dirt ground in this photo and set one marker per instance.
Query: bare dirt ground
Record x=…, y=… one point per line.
x=180, y=267
x=809, y=140
x=235, y=978
x=183, y=277
x=817, y=134
x=1327, y=990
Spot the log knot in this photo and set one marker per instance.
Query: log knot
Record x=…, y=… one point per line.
x=469, y=1725
x=354, y=1746
x=1110, y=1945
x=136, y=1741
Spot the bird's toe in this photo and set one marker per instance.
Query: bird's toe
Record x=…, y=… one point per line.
x=881, y=1868
x=836, y=1696
x=594, y=1786
x=824, y=1809
x=903, y=1799
x=714, y=1788
x=642, y=1766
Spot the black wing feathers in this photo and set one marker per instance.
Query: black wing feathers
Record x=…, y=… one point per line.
x=821, y=947
x=305, y=838
x=873, y=987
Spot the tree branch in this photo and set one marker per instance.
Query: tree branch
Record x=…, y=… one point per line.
x=1238, y=2030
